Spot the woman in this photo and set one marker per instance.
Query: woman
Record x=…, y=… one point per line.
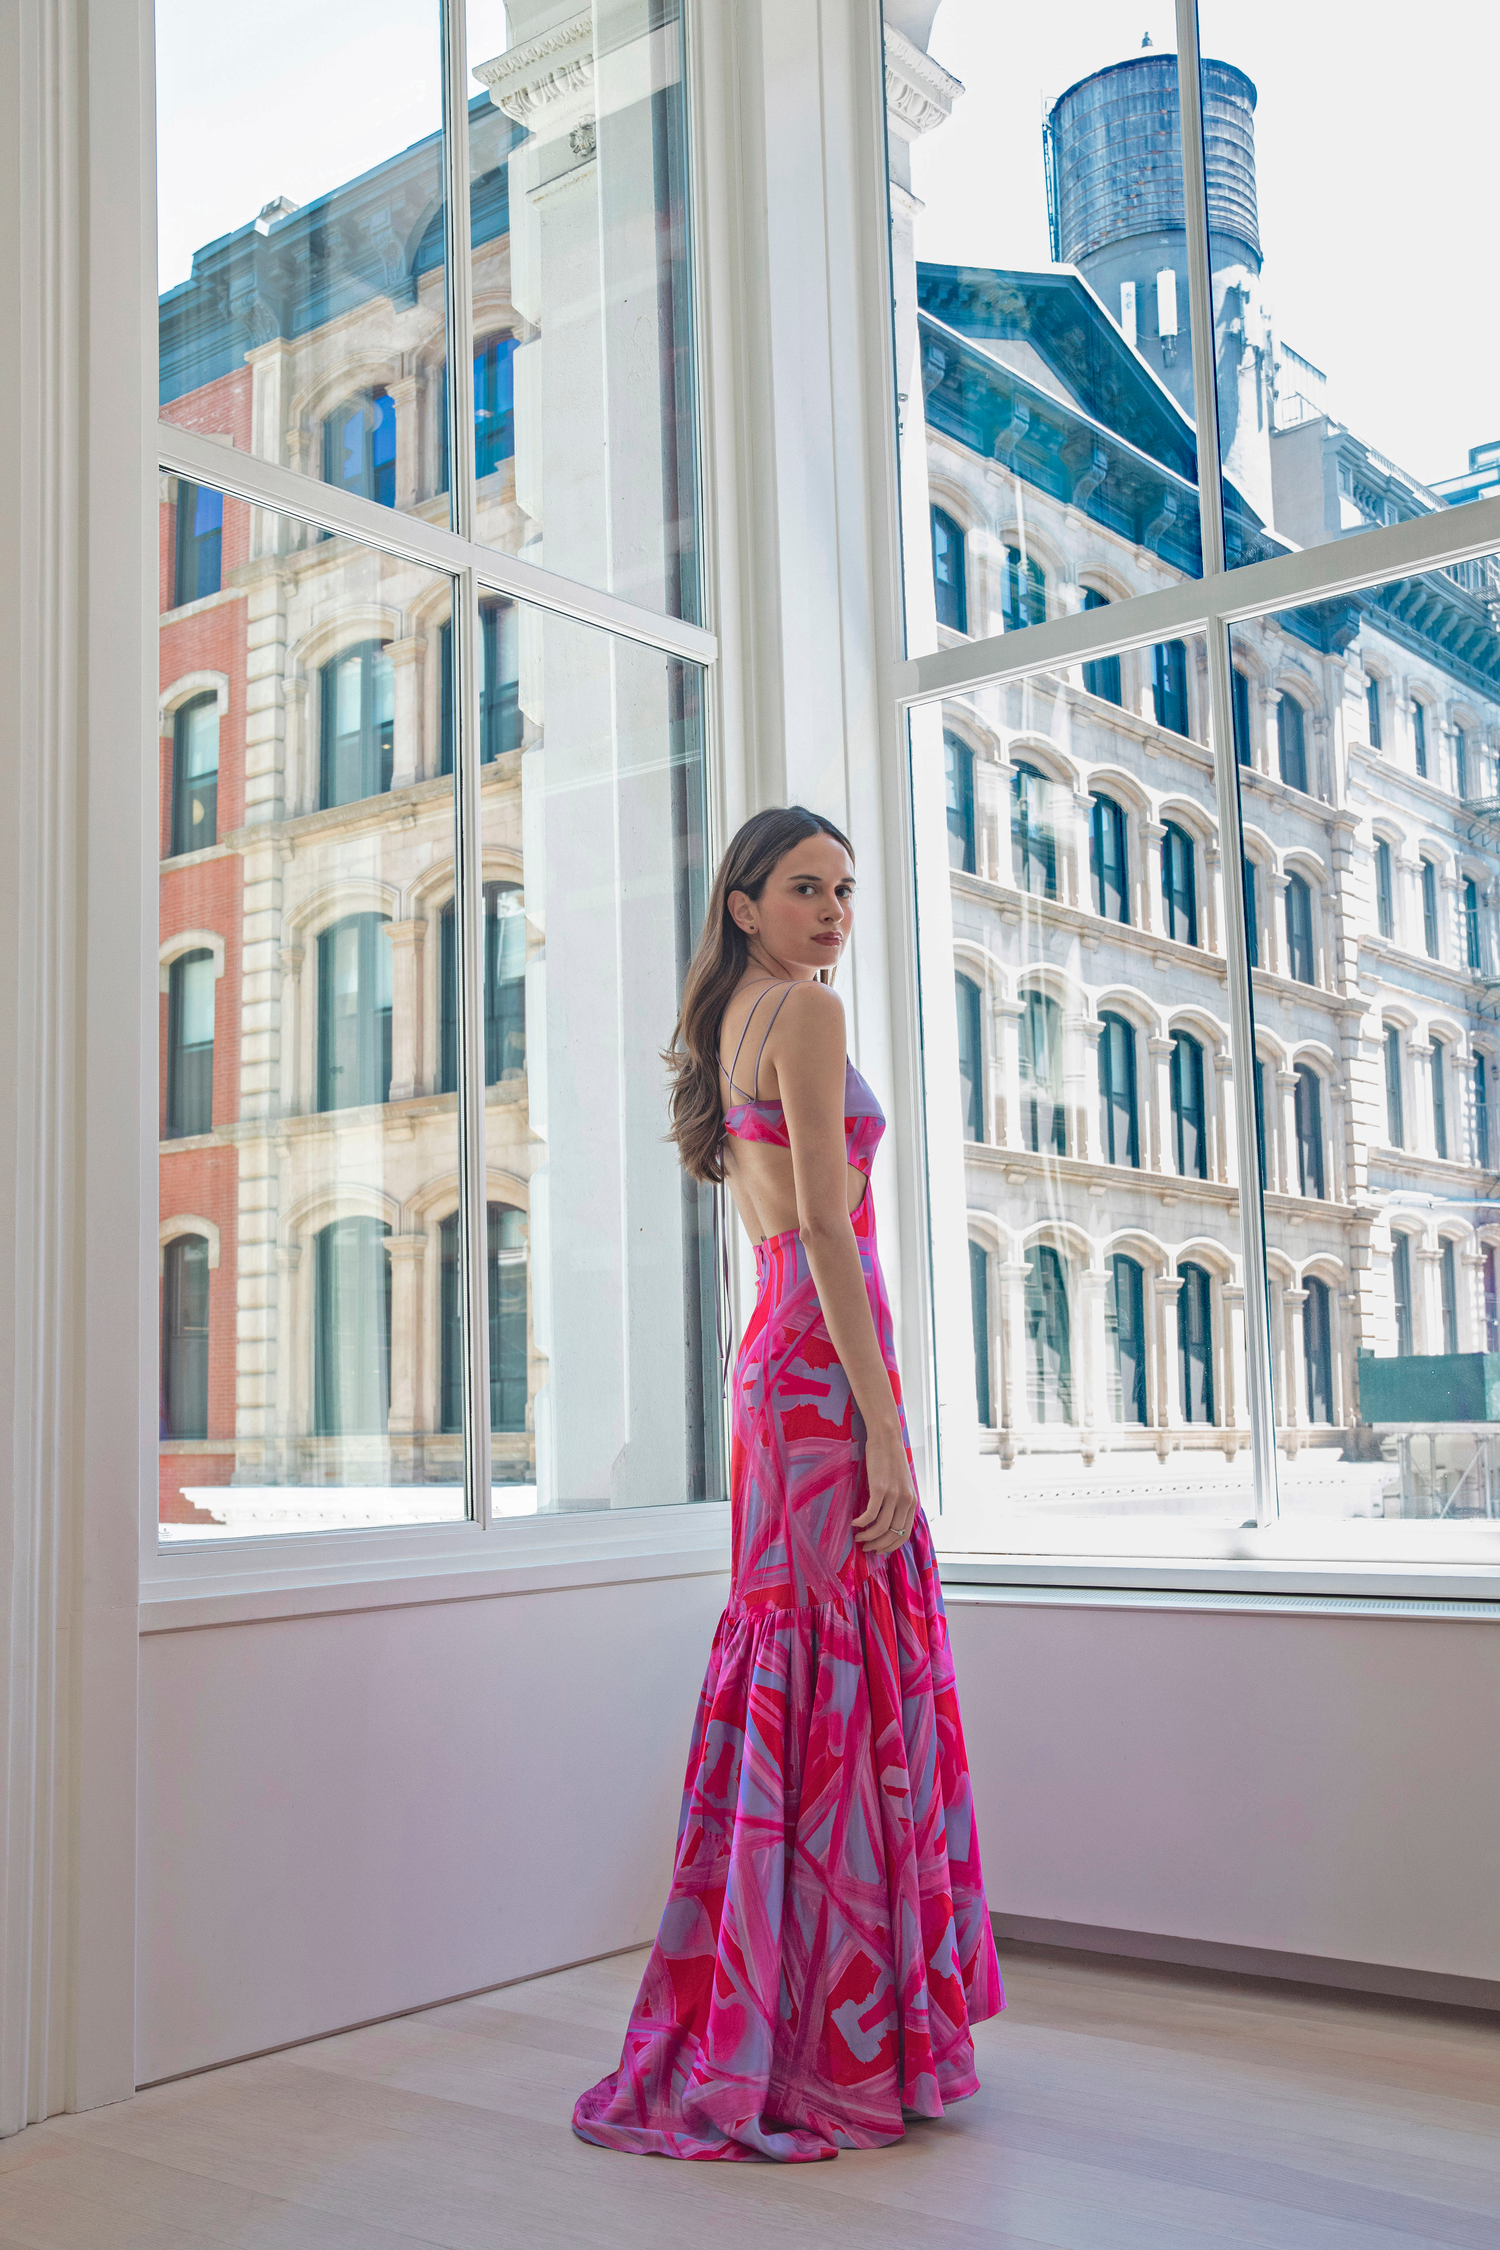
x=826, y=1944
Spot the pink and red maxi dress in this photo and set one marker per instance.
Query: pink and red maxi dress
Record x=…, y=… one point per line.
x=826, y=1943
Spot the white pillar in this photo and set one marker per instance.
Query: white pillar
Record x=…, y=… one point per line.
x=406, y=714
x=407, y=940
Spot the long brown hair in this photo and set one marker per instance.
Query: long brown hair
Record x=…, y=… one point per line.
x=717, y=965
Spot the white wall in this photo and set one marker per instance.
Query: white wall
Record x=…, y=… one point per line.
x=345, y=1815
x=1317, y=1784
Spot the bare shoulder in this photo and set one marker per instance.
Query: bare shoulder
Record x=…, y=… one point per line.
x=814, y=1014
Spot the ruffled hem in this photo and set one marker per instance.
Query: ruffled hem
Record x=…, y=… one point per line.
x=826, y=1945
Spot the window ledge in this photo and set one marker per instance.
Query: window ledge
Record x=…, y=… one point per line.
x=306, y=1576
x=1255, y=1584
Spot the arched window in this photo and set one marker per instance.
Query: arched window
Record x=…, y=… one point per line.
x=1189, y=1124
x=1031, y=833
x=501, y=726
x=195, y=775
x=1395, y=1118
x=970, y=1057
x=1125, y=1332
x=1119, y=1131
x=1291, y=742
x=190, y=1044
x=1401, y=1293
x=1179, y=885
x=1419, y=735
x=1372, y=712
x=1482, y=1112
x=948, y=578
x=1043, y=1115
x=1385, y=890
x=494, y=404
x=1048, y=1338
x=1102, y=677
x=1169, y=685
x=359, y=447
x=506, y=1264
x=352, y=1329
x=184, y=1338
x=1439, y=1097
x=1239, y=703
x=1195, y=1323
x=1301, y=951
x=1317, y=1350
x=1110, y=864
x=354, y=1012
x=958, y=775
x=1309, y=1107
x=504, y=989
x=1448, y=1294
x=200, y=542
x=1023, y=591
x=1430, y=910
x=979, y=1305
x=1473, y=951
x=1252, y=911
x=357, y=736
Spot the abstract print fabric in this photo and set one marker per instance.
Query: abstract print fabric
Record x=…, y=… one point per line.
x=826, y=1943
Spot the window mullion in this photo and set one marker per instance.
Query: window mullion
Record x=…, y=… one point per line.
x=468, y=865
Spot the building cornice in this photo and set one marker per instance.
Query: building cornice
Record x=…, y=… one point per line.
x=919, y=93
x=528, y=81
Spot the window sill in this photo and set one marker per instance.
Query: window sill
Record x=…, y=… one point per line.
x=1230, y=1582
x=248, y=1581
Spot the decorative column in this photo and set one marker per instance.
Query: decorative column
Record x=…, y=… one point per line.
x=406, y=718
x=1083, y=806
x=991, y=841
x=1213, y=864
x=1166, y=1287
x=290, y=958
x=404, y=397
x=1420, y=1126
x=1015, y=1401
x=1275, y=948
x=1427, y=1288
x=407, y=1057
x=1287, y=1175
x=1158, y=1073
x=1091, y=1389
x=406, y=1254
x=1232, y=1299
x=1269, y=759
x=1471, y=1300
x=1296, y=1385
x=1091, y=1138
x=1223, y=1155
x=300, y=750
x=1006, y=1017
x=1149, y=901
x=1077, y=1076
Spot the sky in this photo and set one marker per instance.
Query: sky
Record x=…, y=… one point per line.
x=1377, y=207
x=1375, y=171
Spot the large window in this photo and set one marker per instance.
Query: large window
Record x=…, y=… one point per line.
x=358, y=720
x=190, y=1044
x=979, y=1299
x=1125, y=1331
x=1179, y=885
x=958, y=769
x=1065, y=322
x=1169, y=698
x=359, y=447
x=184, y=1338
x=505, y=1266
x=948, y=575
x=1043, y=1112
x=1119, y=1130
x=200, y=542
x=501, y=725
x=195, y=775
x=1109, y=862
x=1482, y=1111
x=352, y=1328
x=1023, y=590
x=1049, y=1337
x=504, y=989
x=970, y=1058
x=355, y=996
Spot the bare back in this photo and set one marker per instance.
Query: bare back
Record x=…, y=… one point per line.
x=759, y=1174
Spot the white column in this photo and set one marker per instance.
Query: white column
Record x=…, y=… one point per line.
x=406, y=715
x=1221, y=1161
x=1295, y=1301
x=1428, y=1290
x=1288, y=1176
x=1213, y=867
x=404, y=397
x=1016, y=1398
x=1274, y=953
x=407, y=1043
x=1169, y=1414
x=1232, y=1302
x=1006, y=1017
x=1090, y=1108
x=1148, y=896
x=1163, y=1156
x=1091, y=1384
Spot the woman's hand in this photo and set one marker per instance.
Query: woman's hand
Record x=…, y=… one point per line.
x=887, y=1521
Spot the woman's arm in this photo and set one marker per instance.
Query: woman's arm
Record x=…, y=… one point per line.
x=807, y=1050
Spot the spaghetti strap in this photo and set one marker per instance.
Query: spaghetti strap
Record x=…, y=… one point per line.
x=729, y=1073
x=760, y=1050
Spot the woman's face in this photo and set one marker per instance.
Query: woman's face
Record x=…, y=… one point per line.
x=803, y=917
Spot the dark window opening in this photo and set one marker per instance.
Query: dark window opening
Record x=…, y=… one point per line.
x=1385, y=890
x=1301, y=950
x=1448, y=1295
x=979, y=1305
x=352, y=1329
x=1439, y=1098
x=359, y=448
x=1120, y=1133
x=504, y=989
x=200, y=542
x=1196, y=1338
x=184, y=1338
x=1473, y=952
x=1317, y=1351
x=1372, y=710
x=1102, y=677
x=1048, y=1338
x=1308, y=1101
x=958, y=775
x=948, y=576
x=1394, y=1111
x=1024, y=591
x=1430, y=909
x=1291, y=742
x=195, y=775
x=1401, y=1292
x=1419, y=736
x=1031, y=834
x=190, y=1045
x=506, y=1253
x=1125, y=1332
x=1044, y=1118
x=1110, y=864
x=1169, y=685
x=1189, y=1122
x=354, y=1012
x=970, y=1058
x=501, y=724
x=357, y=742
x=1240, y=709
x=1179, y=885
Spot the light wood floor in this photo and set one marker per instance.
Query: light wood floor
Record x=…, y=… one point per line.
x=1124, y=2108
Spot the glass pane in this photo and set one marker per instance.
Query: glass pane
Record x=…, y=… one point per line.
x=300, y=228
x=309, y=1158
x=1332, y=436
x=582, y=331
x=1084, y=1177
x=1377, y=1043
x=593, y=829
x=1044, y=363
